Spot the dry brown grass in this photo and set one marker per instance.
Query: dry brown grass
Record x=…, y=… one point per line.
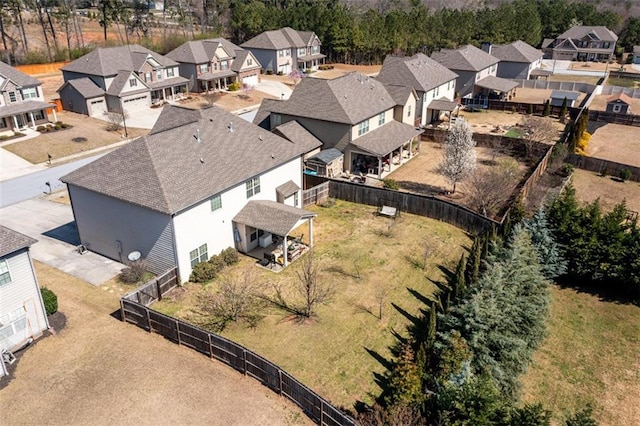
x=575, y=78
x=485, y=121
x=98, y=370
x=589, y=356
x=591, y=186
x=616, y=142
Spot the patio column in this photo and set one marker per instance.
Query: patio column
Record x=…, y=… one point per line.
x=15, y=122
x=285, y=249
x=379, y=167
x=55, y=116
x=311, y=232
x=33, y=120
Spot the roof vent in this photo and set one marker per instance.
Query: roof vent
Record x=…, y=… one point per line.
x=197, y=136
x=202, y=160
x=260, y=137
x=230, y=126
x=273, y=156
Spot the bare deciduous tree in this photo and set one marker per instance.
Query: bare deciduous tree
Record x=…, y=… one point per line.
x=115, y=120
x=237, y=299
x=537, y=130
x=490, y=188
x=212, y=97
x=459, y=153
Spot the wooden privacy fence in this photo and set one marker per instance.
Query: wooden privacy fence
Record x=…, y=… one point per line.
x=36, y=69
x=236, y=356
x=315, y=195
x=423, y=205
x=611, y=117
x=153, y=289
x=602, y=166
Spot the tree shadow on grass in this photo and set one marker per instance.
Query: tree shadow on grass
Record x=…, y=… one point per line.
x=421, y=188
x=610, y=293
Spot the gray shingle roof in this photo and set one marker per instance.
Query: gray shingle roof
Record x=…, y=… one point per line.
x=118, y=83
x=518, y=51
x=107, y=61
x=279, y=219
x=283, y=38
x=348, y=99
x=386, y=138
x=559, y=94
x=18, y=77
x=85, y=86
x=168, y=82
x=297, y=134
x=580, y=31
x=241, y=56
x=287, y=189
x=201, y=51
x=418, y=71
x=326, y=156
x=466, y=58
x=496, y=83
x=400, y=94
x=23, y=107
x=442, y=104
x=264, y=111
x=169, y=170
x=12, y=241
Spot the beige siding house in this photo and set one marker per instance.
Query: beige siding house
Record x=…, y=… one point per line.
x=582, y=43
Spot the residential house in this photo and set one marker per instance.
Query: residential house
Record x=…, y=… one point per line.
x=558, y=97
x=175, y=195
x=517, y=60
x=582, y=43
x=285, y=50
x=120, y=79
x=22, y=102
x=215, y=63
x=22, y=312
x=619, y=104
x=636, y=55
x=352, y=113
x=431, y=80
x=477, y=74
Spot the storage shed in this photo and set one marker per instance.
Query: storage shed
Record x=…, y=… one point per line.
x=619, y=104
x=328, y=162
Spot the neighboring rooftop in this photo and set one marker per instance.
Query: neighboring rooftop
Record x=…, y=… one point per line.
x=326, y=156
x=594, y=32
x=518, y=51
x=418, y=71
x=7, y=72
x=85, y=86
x=108, y=61
x=620, y=97
x=294, y=132
x=283, y=38
x=560, y=94
x=12, y=241
x=202, y=51
x=189, y=156
x=348, y=99
x=466, y=58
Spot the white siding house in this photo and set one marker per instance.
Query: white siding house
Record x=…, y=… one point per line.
x=173, y=195
x=22, y=313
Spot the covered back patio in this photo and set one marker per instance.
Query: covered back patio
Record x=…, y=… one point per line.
x=493, y=87
x=169, y=89
x=379, y=152
x=262, y=230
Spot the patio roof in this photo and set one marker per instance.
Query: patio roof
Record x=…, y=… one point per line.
x=279, y=219
x=443, y=104
x=169, y=82
x=287, y=189
x=305, y=58
x=541, y=73
x=24, y=107
x=386, y=138
x=208, y=76
x=496, y=83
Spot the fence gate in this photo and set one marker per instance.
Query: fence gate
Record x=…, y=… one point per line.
x=315, y=195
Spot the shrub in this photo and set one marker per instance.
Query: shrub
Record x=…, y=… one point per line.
x=58, y=127
x=235, y=86
x=230, y=256
x=325, y=67
x=329, y=202
x=269, y=72
x=217, y=262
x=134, y=271
x=391, y=184
x=625, y=174
x=4, y=137
x=40, y=128
x=64, y=125
x=280, y=73
x=50, y=301
x=583, y=142
x=203, y=272
x=58, y=123
x=567, y=169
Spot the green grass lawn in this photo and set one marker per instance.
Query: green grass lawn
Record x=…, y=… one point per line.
x=333, y=353
x=589, y=356
x=622, y=82
x=514, y=132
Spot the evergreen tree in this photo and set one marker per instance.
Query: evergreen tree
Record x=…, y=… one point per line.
x=563, y=108
x=530, y=415
x=550, y=256
x=460, y=285
x=404, y=381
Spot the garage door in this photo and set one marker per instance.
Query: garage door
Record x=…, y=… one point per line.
x=97, y=107
x=250, y=80
x=136, y=104
x=284, y=69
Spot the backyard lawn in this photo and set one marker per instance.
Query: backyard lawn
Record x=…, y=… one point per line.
x=589, y=356
x=366, y=260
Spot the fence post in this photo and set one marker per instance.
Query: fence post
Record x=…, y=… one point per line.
x=148, y=319
x=321, y=411
x=122, y=311
x=279, y=381
x=210, y=345
x=178, y=332
x=159, y=290
x=244, y=358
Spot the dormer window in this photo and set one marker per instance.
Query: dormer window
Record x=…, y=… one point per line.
x=584, y=43
x=147, y=77
x=249, y=62
x=170, y=72
x=363, y=127
x=224, y=65
x=30, y=93
x=204, y=68
x=12, y=97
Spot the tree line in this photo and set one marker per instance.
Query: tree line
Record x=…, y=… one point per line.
x=350, y=34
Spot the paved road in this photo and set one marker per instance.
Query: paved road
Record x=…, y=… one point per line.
x=34, y=184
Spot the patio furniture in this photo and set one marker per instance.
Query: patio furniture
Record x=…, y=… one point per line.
x=270, y=258
x=388, y=211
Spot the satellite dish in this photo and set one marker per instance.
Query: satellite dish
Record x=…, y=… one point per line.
x=133, y=256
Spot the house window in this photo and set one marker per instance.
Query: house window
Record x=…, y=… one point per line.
x=147, y=77
x=493, y=69
x=12, y=97
x=409, y=111
x=255, y=234
x=216, y=203
x=315, y=49
x=133, y=82
x=253, y=186
x=249, y=62
x=13, y=323
x=198, y=255
x=302, y=51
x=288, y=51
x=363, y=127
x=159, y=74
x=437, y=92
x=381, y=118
x=281, y=53
x=224, y=65
x=617, y=108
x=38, y=115
x=584, y=43
x=606, y=45
x=3, y=123
x=170, y=72
x=30, y=93
x=204, y=68
x=5, y=276
x=295, y=199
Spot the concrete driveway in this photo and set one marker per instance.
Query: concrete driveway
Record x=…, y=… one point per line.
x=144, y=119
x=274, y=88
x=52, y=224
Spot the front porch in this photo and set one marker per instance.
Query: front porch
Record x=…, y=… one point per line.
x=215, y=81
x=310, y=62
x=263, y=228
x=171, y=89
x=30, y=114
